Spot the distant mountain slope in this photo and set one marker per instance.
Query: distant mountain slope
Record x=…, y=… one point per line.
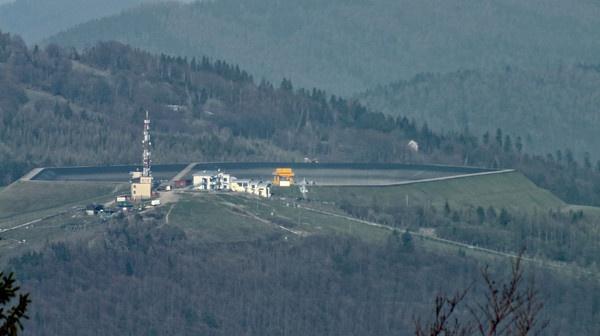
x=348, y=46
x=557, y=108
x=35, y=20
x=58, y=107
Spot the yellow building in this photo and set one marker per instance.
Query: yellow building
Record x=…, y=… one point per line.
x=283, y=177
x=141, y=188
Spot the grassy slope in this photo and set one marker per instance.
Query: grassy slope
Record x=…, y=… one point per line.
x=223, y=218
x=509, y=190
x=210, y=218
x=23, y=202
x=37, y=197
x=235, y=217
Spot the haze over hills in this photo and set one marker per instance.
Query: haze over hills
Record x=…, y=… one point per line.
x=232, y=256
x=35, y=20
x=550, y=109
x=59, y=107
x=349, y=46
x=201, y=110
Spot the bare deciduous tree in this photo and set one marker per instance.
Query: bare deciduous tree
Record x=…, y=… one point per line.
x=509, y=308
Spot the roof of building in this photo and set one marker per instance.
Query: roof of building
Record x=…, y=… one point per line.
x=285, y=172
x=241, y=180
x=206, y=173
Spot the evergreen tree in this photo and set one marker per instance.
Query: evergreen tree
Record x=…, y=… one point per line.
x=407, y=241
x=507, y=144
x=499, y=137
x=519, y=144
x=11, y=313
x=480, y=215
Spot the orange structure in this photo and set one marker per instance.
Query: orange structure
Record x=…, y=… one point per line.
x=283, y=177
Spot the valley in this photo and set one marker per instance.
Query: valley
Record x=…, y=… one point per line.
x=279, y=167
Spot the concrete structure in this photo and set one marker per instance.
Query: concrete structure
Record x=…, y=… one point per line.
x=263, y=189
x=212, y=181
x=203, y=180
x=283, y=177
x=259, y=188
x=141, y=189
x=220, y=181
x=223, y=181
x=240, y=185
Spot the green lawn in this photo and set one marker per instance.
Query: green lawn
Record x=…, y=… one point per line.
x=509, y=190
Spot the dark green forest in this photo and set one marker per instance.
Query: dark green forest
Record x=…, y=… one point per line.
x=348, y=46
x=550, y=108
x=150, y=279
x=62, y=107
x=562, y=236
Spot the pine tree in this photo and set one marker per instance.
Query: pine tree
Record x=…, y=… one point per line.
x=507, y=144
x=11, y=316
x=499, y=137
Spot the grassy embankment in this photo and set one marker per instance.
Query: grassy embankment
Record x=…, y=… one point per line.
x=237, y=217
x=507, y=190
x=22, y=201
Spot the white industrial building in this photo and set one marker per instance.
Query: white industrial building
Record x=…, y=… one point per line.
x=240, y=185
x=262, y=189
x=220, y=181
x=212, y=181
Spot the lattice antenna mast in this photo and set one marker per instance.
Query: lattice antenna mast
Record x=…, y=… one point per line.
x=147, y=144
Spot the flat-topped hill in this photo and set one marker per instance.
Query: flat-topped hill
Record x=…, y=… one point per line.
x=508, y=189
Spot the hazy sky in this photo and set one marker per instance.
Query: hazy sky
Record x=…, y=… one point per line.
x=2, y=2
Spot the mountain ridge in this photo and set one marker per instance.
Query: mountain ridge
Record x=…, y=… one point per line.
x=331, y=46
x=553, y=108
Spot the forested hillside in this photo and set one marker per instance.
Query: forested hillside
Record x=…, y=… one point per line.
x=36, y=20
x=349, y=46
x=552, y=108
x=61, y=107
x=144, y=278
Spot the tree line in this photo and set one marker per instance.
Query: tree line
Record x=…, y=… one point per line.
x=294, y=286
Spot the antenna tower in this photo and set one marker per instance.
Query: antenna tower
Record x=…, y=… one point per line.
x=147, y=172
